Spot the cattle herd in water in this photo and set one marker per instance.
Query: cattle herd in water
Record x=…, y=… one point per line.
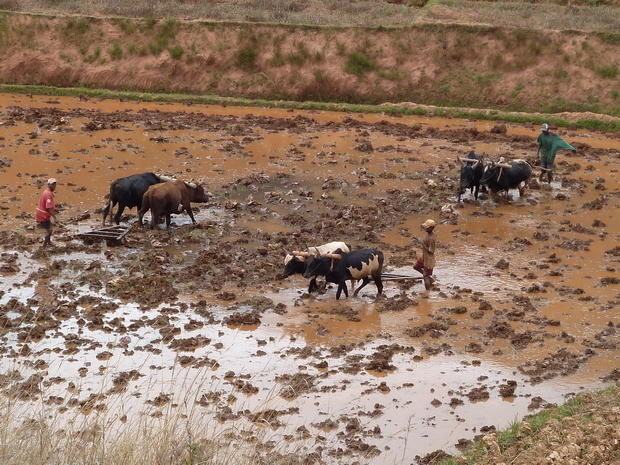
x=336, y=262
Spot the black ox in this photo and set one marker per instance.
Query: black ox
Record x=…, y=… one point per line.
x=499, y=177
x=340, y=267
x=472, y=169
x=128, y=192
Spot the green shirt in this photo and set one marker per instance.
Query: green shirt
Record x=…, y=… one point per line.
x=549, y=145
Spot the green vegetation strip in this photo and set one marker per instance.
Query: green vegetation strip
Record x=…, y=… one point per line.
x=490, y=115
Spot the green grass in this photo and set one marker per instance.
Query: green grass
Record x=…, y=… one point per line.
x=176, y=52
x=607, y=72
x=116, y=52
x=359, y=64
x=158, y=45
x=95, y=56
x=246, y=57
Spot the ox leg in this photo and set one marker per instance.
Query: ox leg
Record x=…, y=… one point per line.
x=121, y=209
x=140, y=216
x=145, y=207
x=342, y=287
x=188, y=209
x=312, y=286
x=168, y=220
x=379, y=284
x=365, y=281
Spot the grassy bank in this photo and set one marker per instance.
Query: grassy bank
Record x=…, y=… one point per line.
x=582, y=430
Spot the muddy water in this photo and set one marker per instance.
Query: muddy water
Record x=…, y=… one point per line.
x=552, y=242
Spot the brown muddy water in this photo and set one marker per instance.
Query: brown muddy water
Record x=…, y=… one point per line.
x=197, y=323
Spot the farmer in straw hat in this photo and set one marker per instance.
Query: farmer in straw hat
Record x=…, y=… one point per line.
x=426, y=263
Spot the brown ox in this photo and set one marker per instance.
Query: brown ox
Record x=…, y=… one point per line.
x=170, y=197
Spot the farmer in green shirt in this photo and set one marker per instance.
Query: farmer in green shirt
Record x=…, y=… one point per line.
x=549, y=143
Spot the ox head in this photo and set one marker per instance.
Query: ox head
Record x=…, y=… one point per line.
x=197, y=193
x=471, y=171
x=294, y=262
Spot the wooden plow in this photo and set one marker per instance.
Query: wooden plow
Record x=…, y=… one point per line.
x=401, y=277
x=113, y=235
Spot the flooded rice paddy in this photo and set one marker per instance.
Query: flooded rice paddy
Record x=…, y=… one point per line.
x=196, y=322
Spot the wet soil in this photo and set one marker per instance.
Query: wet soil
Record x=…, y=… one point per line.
x=198, y=317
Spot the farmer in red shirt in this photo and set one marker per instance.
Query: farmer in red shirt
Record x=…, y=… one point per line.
x=45, y=211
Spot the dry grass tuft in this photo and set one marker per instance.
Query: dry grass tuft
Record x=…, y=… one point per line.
x=310, y=12
x=547, y=16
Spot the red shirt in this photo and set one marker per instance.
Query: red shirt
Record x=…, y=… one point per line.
x=46, y=201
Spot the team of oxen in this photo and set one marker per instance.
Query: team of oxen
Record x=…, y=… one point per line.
x=336, y=262
x=160, y=194
x=497, y=177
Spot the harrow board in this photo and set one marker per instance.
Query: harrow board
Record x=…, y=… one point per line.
x=399, y=277
x=111, y=234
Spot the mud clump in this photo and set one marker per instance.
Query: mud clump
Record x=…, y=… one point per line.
x=251, y=317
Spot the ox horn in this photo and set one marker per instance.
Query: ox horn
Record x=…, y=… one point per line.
x=300, y=254
x=190, y=184
x=165, y=178
x=468, y=160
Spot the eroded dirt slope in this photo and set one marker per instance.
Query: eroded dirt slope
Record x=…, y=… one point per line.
x=440, y=64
